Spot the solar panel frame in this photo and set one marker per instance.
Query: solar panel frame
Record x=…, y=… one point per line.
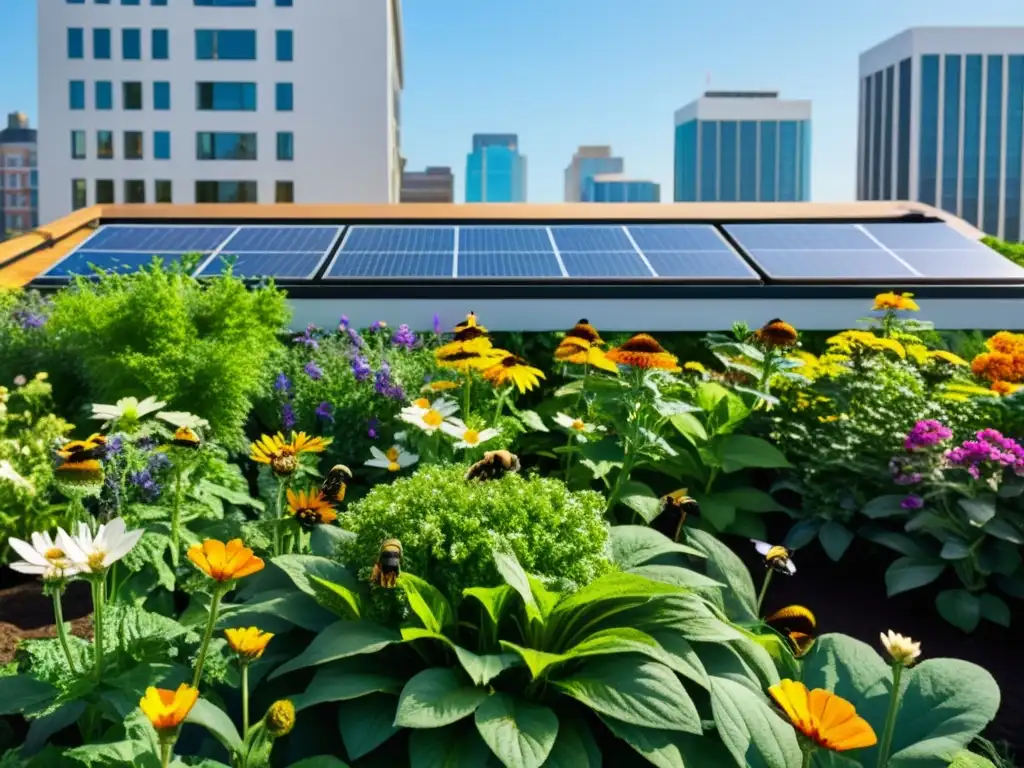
x=331, y=234
x=82, y=258
x=744, y=272
x=218, y=234
x=340, y=253
x=204, y=268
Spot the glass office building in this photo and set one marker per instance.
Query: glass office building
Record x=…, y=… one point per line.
x=588, y=162
x=616, y=188
x=495, y=171
x=743, y=146
x=941, y=121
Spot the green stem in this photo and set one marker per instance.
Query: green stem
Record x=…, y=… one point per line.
x=764, y=589
x=99, y=586
x=176, y=519
x=466, y=394
x=165, y=753
x=501, y=404
x=808, y=756
x=62, y=630
x=281, y=486
x=245, y=701
x=890, y=718
x=214, y=605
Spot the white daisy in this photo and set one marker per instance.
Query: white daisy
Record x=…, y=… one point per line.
x=10, y=474
x=430, y=418
x=183, y=419
x=393, y=460
x=466, y=437
x=573, y=425
x=129, y=409
x=43, y=557
x=99, y=552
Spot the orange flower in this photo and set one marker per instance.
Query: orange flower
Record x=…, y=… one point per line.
x=310, y=508
x=281, y=454
x=225, y=562
x=776, y=333
x=248, y=643
x=1004, y=387
x=167, y=709
x=898, y=301
x=1007, y=343
x=998, y=366
x=828, y=720
x=643, y=351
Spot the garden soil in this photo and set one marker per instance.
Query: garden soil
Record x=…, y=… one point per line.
x=25, y=613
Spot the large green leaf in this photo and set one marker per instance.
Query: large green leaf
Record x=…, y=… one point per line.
x=520, y=734
x=945, y=704
x=750, y=729
x=43, y=729
x=745, y=451
x=20, y=694
x=436, y=697
x=690, y=427
x=641, y=499
x=890, y=505
x=690, y=615
x=960, y=608
x=908, y=573
x=965, y=759
x=575, y=746
x=979, y=511
x=139, y=748
x=367, y=723
x=750, y=500
x=427, y=602
x=676, y=575
x=494, y=600
x=514, y=575
x=634, y=545
x=482, y=668
x=723, y=565
x=278, y=613
x=835, y=539
x=340, y=640
x=457, y=746
x=671, y=749
x=341, y=683
x=216, y=721
x=299, y=568
x=545, y=598
x=337, y=598
x=634, y=690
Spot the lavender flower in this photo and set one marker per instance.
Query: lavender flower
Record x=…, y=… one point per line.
x=113, y=447
x=404, y=337
x=343, y=323
x=378, y=325
x=383, y=384
x=159, y=461
x=144, y=481
x=371, y=428
x=283, y=384
x=325, y=411
x=146, y=443
x=355, y=338
x=912, y=502
x=288, y=419
x=361, y=368
x=307, y=338
x=313, y=371
x=29, y=320
x=437, y=324
x=926, y=434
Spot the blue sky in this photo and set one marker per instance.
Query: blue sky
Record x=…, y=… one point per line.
x=561, y=73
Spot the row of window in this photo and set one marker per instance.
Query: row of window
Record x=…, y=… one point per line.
x=123, y=2
x=205, y=192
x=209, y=96
x=208, y=3
x=19, y=180
x=211, y=44
x=210, y=145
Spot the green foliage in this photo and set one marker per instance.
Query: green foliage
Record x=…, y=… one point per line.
x=203, y=347
x=1012, y=251
x=448, y=528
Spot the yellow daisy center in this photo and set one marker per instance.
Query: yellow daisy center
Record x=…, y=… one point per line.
x=394, y=466
x=578, y=425
x=432, y=418
x=471, y=436
x=54, y=554
x=421, y=403
x=95, y=561
x=392, y=454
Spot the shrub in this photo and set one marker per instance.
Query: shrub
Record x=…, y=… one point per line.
x=448, y=528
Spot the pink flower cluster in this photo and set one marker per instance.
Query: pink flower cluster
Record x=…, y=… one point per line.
x=990, y=450
x=925, y=434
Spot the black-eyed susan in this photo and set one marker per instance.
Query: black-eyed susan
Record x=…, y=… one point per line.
x=512, y=368
x=310, y=508
x=827, y=720
x=248, y=643
x=644, y=351
x=185, y=437
x=901, y=302
x=80, y=473
x=282, y=455
x=582, y=345
x=776, y=333
x=225, y=562
x=463, y=360
x=166, y=709
x=469, y=336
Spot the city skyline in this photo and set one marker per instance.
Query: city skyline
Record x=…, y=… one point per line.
x=566, y=92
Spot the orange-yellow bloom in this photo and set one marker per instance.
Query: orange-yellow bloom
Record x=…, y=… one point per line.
x=828, y=720
x=310, y=508
x=897, y=301
x=248, y=643
x=167, y=709
x=1007, y=343
x=514, y=369
x=776, y=333
x=1004, y=387
x=998, y=366
x=643, y=351
x=281, y=454
x=225, y=562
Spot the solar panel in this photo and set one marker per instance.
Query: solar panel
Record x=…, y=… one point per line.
x=606, y=264
x=400, y=239
x=282, y=239
x=509, y=264
x=676, y=238
x=819, y=265
x=81, y=262
x=977, y=264
x=504, y=240
x=157, y=239
x=700, y=264
x=592, y=239
x=900, y=236
x=799, y=237
x=278, y=264
x=382, y=264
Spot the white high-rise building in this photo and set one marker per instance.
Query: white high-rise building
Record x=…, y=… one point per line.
x=196, y=101
x=942, y=122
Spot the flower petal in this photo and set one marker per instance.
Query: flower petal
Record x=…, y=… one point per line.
x=28, y=552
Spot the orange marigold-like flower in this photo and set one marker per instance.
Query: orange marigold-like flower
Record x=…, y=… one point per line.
x=168, y=709
x=776, y=333
x=898, y=301
x=643, y=351
x=1004, y=387
x=1007, y=343
x=998, y=366
x=828, y=720
x=225, y=562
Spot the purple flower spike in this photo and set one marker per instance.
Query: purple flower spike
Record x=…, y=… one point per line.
x=361, y=368
x=313, y=371
x=29, y=320
x=437, y=324
x=912, y=502
x=404, y=337
x=307, y=338
x=146, y=484
x=288, y=419
x=325, y=412
x=343, y=323
x=355, y=338
x=283, y=384
x=383, y=384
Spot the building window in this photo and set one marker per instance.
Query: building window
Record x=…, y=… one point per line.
x=131, y=44
x=284, y=97
x=104, y=191
x=76, y=95
x=160, y=44
x=769, y=144
x=709, y=160
x=101, y=43
x=284, y=192
x=890, y=102
x=972, y=138
x=130, y=2
x=789, y=161
x=75, y=2
x=226, y=97
x=748, y=161
x=225, y=44
x=225, y=191
x=284, y=45
x=993, y=140
x=225, y=146
x=285, y=145
x=928, y=150
x=162, y=191
x=161, y=145
x=104, y=94
x=951, y=133
x=876, y=138
x=134, y=191
x=131, y=95
x=728, y=136
x=227, y=3
x=102, y=2
x=76, y=43
x=283, y=3
x=78, y=145
x=161, y=95
x=903, y=133
x=1014, y=147
x=105, y=145
x=158, y=2
x=133, y=145
x=78, y=194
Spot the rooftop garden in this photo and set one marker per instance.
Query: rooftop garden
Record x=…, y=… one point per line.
x=227, y=545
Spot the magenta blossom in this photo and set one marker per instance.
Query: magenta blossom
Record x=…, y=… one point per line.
x=912, y=502
x=989, y=453
x=926, y=434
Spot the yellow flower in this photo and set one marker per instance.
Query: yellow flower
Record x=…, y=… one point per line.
x=694, y=366
x=440, y=385
x=281, y=454
x=167, y=709
x=280, y=718
x=850, y=342
x=947, y=357
x=310, y=508
x=248, y=643
x=896, y=301
x=514, y=369
x=644, y=351
x=828, y=720
x=225, y=562
x=776, y=333
x=473, y=358
x=901, y=649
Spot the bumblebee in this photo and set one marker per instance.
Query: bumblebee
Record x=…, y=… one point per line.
x=798, y=625
x=493, y=466
x=335, y=484
x=675, y=507
x=388, y=565
x=776, y=557
x=776, y=333
x=76, y=451
x=184, y=437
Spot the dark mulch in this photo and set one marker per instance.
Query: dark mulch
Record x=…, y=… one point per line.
x=26, y=613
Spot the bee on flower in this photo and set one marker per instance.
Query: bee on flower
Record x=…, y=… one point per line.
x=776, y=334
x=643, y=351
x=583, y=345
x=282, y=455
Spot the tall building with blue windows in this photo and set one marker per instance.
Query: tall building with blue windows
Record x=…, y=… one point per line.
x=941, y=122
x=218, y=101
x=588, y=162
x=619, y=188
x=495, y=171
x=743, y=146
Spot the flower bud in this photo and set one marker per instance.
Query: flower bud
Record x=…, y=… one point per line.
x=901, y=649
x=280, y=718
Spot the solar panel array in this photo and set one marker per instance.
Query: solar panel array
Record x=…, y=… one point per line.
x=900, y=252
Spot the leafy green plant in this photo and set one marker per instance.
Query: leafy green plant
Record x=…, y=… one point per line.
x=1012, y=251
